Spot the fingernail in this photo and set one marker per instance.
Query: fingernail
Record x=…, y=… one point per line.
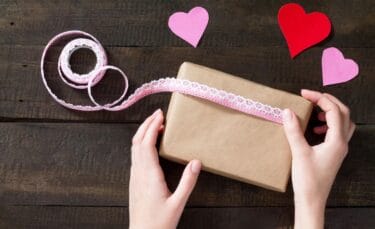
x=196, y=166
x=305, y=91
x=287, y=115
x=156, y=112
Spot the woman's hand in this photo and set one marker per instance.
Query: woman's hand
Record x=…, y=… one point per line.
x=314, y=168
x=151, y=204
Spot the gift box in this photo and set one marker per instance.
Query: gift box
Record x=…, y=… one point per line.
x=228, y=142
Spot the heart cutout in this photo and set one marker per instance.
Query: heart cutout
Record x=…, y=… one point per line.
x=302, y=30
x=189, y=26
x=336, y=69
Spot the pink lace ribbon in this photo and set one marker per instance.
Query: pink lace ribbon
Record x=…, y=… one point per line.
x=87, y=81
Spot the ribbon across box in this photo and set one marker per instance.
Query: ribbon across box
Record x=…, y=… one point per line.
x=228, y=142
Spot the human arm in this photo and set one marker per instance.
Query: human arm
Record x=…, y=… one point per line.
x=314, y=168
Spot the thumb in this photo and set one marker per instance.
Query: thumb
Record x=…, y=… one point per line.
x=187, y=182
x=293, y=132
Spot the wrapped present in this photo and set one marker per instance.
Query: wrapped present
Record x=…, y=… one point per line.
x=228, y=142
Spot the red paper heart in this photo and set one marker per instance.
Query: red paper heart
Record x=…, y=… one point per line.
x=302, y=30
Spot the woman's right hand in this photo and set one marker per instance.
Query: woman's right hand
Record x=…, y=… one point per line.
x=314, y=168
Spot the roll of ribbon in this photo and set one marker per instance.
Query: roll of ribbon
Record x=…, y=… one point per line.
x=87, y=81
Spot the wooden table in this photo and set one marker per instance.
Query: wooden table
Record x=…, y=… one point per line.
x=66, y=169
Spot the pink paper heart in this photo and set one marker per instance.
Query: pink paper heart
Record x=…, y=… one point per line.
x=335, y=68
x=189, y=26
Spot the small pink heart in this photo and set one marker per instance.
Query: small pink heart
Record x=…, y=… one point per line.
x=335, y=68
x=189, y=26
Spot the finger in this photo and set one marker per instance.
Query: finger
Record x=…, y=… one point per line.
x=351, y=131
x=344, y=110
x=310, y=95
x=322, y=101
x=293, y=132
x=148, y=152
x=322, y=116
x=152, y=131
x=136, y=152
x=332, y=111
x=320, y=129
x=187, y=183
x=142, y=129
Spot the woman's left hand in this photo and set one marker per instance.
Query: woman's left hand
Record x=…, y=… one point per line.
x=151, y=204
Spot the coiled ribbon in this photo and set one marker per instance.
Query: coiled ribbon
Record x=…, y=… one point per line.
x=87, y=81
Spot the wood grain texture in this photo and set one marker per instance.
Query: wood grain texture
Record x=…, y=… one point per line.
x=88, y=165
x=143, y=22
x=235, y=218
x=66, y=169
x=23, y=96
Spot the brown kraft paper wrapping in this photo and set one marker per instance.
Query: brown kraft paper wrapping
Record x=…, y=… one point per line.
x=228, y=142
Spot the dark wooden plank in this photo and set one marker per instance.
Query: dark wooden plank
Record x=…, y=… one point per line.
x=272, y=218
x=23, y=96
x=88, y=164
x=144, y=22
x=63, y=217
x=117, y=217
